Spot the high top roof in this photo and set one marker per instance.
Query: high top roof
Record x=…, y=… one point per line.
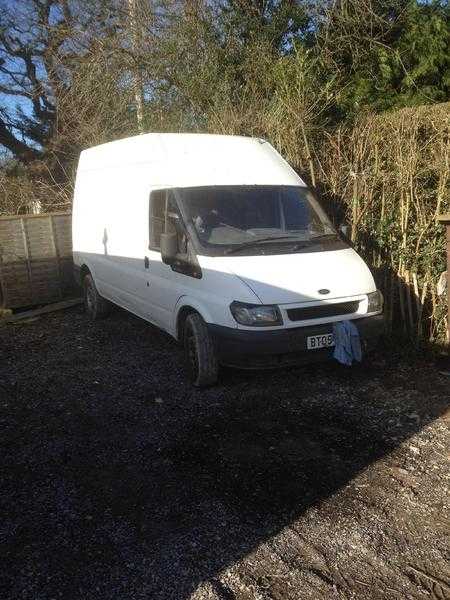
x=190, y=159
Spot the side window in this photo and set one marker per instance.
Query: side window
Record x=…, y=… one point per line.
x=162, y=204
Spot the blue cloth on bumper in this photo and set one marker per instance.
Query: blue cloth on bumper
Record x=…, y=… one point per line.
x=347, y=342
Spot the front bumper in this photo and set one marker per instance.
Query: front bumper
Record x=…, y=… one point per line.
x=282, y=347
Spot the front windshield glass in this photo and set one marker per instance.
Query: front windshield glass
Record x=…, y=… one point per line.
x=230, y=218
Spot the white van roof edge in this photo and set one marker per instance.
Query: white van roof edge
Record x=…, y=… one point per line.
x=188, y=159
x=161, y=135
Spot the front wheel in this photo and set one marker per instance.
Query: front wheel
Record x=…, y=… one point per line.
x=95, y=305
x=200, y=353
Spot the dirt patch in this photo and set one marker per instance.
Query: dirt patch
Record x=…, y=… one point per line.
x=121, y=481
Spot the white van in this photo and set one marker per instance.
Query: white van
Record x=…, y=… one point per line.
x=216, y=240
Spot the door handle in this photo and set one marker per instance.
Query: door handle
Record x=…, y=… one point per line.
x=146, y=262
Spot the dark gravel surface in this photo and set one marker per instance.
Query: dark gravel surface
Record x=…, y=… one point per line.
x=120, y=481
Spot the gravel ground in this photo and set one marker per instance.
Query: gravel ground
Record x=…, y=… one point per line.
x=120, y=481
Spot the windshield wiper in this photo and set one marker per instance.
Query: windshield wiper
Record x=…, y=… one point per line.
x=323, y=237
x=259, y=241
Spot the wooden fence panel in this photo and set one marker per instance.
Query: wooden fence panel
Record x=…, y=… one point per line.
x=35, y=259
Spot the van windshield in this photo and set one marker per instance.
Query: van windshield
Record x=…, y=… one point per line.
x=255, y=219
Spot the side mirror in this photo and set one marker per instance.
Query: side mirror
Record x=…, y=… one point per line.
x=169, y=247
x=176, y=222
x=344, y=229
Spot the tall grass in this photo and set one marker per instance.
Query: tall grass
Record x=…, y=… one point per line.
x=392, y=173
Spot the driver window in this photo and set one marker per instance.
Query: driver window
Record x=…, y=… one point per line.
x=162, y=203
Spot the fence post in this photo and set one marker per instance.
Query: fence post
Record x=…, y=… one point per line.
x=445, y=219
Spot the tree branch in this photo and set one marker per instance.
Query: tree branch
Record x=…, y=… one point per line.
x=17, y=147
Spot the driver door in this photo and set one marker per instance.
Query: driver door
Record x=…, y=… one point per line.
x=163, y=285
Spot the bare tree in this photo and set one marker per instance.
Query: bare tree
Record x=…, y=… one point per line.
x=42, y=43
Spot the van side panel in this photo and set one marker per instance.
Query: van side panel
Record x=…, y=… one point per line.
x=110, y=232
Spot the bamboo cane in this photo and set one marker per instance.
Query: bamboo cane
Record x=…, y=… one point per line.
x=418, y=305
x=390, y=301
x=408, y=301
x=402, y=302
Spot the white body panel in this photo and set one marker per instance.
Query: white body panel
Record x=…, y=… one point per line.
x=111, y=232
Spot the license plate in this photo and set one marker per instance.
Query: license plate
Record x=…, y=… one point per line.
x=314, y=342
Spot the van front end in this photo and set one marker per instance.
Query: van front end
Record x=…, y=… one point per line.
x=297, y=298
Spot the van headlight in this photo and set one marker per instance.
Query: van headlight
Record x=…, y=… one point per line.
x=375, y=302
x=257, y=315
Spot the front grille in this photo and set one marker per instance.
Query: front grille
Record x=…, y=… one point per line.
x=323, y=310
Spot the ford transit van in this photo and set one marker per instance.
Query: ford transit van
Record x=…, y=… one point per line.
x=216, y=240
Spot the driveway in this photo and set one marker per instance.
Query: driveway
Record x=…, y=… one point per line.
x=120, y=481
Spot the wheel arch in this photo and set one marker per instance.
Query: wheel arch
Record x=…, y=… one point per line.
x=183, y=309
x=84, y=270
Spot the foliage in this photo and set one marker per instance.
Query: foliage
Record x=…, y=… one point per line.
x=406, y=64
x=391, y=173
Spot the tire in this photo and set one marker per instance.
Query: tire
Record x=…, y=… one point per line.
x=96, y=307
x=200, y=353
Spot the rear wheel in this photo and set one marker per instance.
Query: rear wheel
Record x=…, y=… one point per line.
x=200, y=353
x=96, y=307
